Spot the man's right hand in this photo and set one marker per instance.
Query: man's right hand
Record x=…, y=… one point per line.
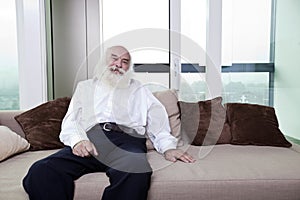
x=85, y=148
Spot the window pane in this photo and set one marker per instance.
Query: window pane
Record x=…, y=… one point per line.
x=154, y=81
x=9, y=86
x=250, y=87
x=192, y=87
x=193, y=29
x=121, y=17
x=243, y=87
x=193, y=49
x=246, y=31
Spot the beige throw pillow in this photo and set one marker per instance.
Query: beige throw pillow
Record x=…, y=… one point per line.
x=11, y=143
x=169, y=100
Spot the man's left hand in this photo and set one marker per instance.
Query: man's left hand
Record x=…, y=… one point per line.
x=177, y=154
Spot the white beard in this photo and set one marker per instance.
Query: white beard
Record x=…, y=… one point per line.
x=112, y=80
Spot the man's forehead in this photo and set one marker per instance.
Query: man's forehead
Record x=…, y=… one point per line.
x=119, y=52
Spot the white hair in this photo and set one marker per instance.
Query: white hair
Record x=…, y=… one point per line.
x=103, y=72
x=102, y=65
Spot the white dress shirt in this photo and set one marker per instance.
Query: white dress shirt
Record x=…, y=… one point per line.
x=133, y=106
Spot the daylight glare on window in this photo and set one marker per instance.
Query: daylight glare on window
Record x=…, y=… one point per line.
x=193, y=29
x=9, y=86
x=246, y=29
x=120, y=17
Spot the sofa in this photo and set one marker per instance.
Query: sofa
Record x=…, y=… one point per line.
x=237, y=155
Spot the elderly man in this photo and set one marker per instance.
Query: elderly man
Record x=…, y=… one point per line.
x=104, y=131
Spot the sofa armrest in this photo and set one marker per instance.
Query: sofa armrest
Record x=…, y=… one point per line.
x=7, y=119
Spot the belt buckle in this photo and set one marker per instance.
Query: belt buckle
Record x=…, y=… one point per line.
x=104, y=127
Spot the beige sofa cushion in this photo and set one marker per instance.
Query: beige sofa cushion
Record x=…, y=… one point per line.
x=7, y=119
x=220, y=172
x=169, y=100
x=11, y=143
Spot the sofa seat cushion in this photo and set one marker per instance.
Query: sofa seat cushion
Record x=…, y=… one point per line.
x=13, y=170
x=229, y=172
x=230, y=162
x=234, y=171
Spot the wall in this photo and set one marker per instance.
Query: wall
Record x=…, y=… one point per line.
x=75, y=43
x=287, y=66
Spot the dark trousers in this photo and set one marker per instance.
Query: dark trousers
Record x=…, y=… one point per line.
x=121, y=156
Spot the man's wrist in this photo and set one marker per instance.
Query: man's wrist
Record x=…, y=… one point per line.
x=168, y=150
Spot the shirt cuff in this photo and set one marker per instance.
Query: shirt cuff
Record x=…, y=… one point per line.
x=74, y=140
x=170, y=144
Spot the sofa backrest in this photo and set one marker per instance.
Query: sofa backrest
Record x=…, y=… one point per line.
x=7, y=119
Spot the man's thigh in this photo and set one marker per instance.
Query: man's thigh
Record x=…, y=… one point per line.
x=66, y=162
x=120, y=151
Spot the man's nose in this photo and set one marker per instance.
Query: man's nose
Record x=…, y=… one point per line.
x=118, y=63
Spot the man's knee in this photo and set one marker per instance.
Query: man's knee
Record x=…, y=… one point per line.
x=138, y=179
x=34, y=175
x=43, y=179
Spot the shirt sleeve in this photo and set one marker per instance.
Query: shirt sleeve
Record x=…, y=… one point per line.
x=158, y=127
x=71, y=130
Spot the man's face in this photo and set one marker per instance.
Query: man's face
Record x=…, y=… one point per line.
x=118, y=60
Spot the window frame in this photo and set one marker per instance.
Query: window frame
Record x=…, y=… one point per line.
x=31, y=36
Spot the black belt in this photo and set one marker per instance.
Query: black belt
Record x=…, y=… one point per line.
x=109, y=126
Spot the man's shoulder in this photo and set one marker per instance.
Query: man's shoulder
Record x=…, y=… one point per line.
x=135, y=82
x=86, y=82
x=138, y=86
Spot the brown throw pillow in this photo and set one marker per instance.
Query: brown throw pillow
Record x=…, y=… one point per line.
x=204, y=122
x=42, y=124
x=253, y=124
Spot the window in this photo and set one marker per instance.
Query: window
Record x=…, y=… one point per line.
x=250, y=87
x=145, y=26
x=246, y=57
x=246, y=39
x=247, y=42
x=193, y=29
x=9, y=83
x=246, y=31
x=193, y=26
